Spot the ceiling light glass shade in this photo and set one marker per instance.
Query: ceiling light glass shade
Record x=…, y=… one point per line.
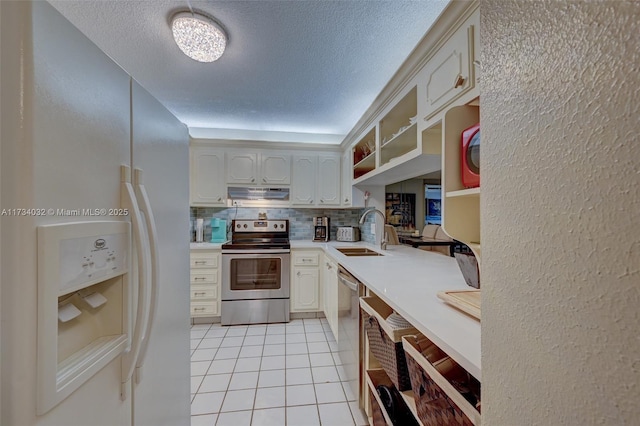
x=198, y=37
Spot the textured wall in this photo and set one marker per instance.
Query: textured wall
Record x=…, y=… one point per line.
x=560, y=212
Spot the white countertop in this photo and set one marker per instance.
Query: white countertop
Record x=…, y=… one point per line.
x=408, y=280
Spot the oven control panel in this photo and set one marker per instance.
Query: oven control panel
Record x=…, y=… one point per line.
x=260, y=225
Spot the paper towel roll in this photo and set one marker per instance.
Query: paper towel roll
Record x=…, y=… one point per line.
x=199, y=230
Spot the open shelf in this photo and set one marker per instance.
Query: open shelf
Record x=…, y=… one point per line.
x=400, y=144
x=432, y=139
x=461, y=206
x=368, y=162
x=469, y=192
x=364, y=154
x=379, y=377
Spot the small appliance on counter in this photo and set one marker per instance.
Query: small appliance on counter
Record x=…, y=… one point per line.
x=218, y=230
x=321, y=228
x=348, y=233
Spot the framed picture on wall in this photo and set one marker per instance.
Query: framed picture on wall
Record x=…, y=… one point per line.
x=433, y=202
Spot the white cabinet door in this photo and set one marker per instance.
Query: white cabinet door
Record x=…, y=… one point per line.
x=448, y=73
x=242, y=168
x=305, y=294
x=328, y=180
x=207, y=186
x=275, y=169
x=345, y=179
x=304, y=180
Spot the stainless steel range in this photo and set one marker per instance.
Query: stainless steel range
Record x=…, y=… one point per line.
x=255, y=273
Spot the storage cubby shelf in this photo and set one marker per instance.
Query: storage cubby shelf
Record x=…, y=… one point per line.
x=400, y=144
x=368, y=162
x=470, y=192
x=379, y=377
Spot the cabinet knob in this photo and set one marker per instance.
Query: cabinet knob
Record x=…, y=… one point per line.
x=321, y=200
x=346, y=200
x=199, y=309
x=459, y=81
x=201, y=262
x=264, y=180
x=253, y=180
x=199, y=293
x=311, y=202
x=219, y=198
x=199, y=278
x=298, y=274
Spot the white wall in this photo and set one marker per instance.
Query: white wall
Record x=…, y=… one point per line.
x=560, y=212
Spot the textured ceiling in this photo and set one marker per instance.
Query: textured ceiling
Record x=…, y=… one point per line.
x=308, y=67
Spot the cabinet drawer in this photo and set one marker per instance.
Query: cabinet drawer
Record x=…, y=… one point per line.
x=204, y=308
x=302, y=259
x=204, y=260
x=204, y=277
x=204, y=292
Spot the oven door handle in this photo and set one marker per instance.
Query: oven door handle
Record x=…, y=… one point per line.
x=258, y=251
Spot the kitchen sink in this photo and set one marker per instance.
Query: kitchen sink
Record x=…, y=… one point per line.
x=358, y=251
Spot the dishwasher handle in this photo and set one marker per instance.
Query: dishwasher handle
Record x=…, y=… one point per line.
x=346, y=280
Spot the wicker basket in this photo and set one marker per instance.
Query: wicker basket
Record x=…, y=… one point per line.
x=435, y=407
x=385, y=341
x=389, y=354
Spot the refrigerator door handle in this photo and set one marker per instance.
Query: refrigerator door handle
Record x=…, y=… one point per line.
x=129, y=358
x=143, y=198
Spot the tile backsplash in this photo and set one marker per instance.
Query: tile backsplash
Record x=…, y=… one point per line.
x=300, y=220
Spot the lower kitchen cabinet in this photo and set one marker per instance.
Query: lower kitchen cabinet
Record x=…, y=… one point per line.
x=305, y=280
x=205, y=283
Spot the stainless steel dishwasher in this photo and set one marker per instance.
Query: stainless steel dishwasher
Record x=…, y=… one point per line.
x=349, y=338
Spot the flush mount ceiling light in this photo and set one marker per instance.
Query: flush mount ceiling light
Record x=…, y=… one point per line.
x=198, y=36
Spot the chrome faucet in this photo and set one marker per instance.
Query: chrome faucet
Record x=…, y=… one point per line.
x=385, y=239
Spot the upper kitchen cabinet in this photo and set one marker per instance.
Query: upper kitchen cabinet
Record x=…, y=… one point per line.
x=303, y=190
x=394, y=150
x=364, y=154
x=450, y=73
x=329, y=180
x=350, y=195
x=398, y=134
x=262, y=168
x=207, y=186
x=316, y=180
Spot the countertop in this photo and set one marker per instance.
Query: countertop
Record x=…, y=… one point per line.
x=206, y=246
x=408, y=280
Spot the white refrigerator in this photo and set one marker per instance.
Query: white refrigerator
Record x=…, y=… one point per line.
x=79, y=137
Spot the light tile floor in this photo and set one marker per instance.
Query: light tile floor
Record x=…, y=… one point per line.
x=277, y=374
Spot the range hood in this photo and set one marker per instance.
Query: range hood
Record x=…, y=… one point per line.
x=257, y=196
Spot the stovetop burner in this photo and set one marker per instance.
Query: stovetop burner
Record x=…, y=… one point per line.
x=258, y=234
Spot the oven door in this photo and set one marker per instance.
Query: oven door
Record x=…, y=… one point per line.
x=256, y=274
